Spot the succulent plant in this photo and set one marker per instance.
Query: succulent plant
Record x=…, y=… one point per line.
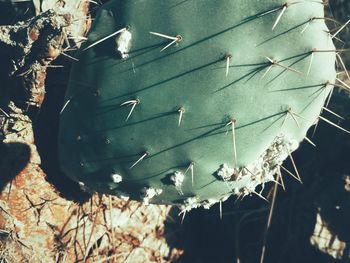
x=189, y=102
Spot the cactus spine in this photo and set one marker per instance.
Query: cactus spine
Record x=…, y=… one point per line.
x=189, y=102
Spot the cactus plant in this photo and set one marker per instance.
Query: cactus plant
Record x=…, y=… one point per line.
x=189, y=102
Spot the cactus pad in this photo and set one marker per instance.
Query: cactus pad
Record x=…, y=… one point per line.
x=189, y=102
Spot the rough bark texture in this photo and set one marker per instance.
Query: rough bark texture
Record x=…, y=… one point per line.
x=37, y=223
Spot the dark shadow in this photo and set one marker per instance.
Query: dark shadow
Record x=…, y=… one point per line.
x=248, y=75
x=289, y=67
x=14, y=158
x=285, y=32
x=178, y=4
x=11, y=83
x=11, y=13
x=46, y=129
x=206, y=238
x=116, y=107
x=301, y=87
x=104, y=48
x=167, y=80
x=103, y=52
x=334, y=169
x=173, y=232
x=10, y=86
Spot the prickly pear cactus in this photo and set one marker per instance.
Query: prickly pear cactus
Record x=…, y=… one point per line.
x=189, y=102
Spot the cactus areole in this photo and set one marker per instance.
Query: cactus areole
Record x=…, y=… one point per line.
x=189, y=102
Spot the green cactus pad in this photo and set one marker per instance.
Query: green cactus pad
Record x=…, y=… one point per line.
x=188, y=102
